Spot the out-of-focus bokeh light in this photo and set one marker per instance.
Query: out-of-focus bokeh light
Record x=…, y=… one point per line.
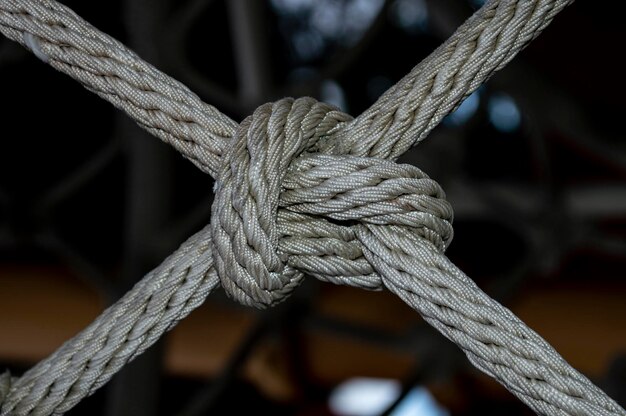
x=292, y=6
x=504, y=114
x=465, y=111
x=410, y=15
x=332, y=93
x=308, y=44
x=478, y=3
x=419, y=402
x=371, y=396
x=316, y=25
x=364, y=396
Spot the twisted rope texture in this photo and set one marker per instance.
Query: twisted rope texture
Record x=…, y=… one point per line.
x=301, y=188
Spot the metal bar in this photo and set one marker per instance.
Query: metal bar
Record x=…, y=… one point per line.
x=269, y=321
x=207, y=398
x=251, y=54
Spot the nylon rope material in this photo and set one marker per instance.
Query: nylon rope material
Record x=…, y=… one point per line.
x=301, y=189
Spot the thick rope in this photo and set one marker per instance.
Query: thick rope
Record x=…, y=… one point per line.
x=123, y=331
x=492, y=337
x=485, y=43
x=158, y=103
x=295, y=196
x=403, y=116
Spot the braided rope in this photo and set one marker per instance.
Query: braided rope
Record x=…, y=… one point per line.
x=124, y=330
x=485, y=43
x=492, y=337
x=158, y=103
x=281, y=176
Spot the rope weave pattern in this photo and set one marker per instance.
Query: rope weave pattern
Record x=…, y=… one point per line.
x=301, y=188
x=158, y=103
x=87, y=361
x=485, y=43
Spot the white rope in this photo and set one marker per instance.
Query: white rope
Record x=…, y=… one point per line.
x=301, y=188
x=486, y=42
x=492, y=337
x=123, y=331
x=160, y=104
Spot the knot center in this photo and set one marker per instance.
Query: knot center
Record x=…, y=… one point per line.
x=247, y=191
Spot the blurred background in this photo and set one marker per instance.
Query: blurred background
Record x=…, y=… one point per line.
x=534, y=164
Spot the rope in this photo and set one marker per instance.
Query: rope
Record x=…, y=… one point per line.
x=158, y=103
x=485, y=43
x=301, y=188
x=403, y=116
x=121, y=332
x=492, y=337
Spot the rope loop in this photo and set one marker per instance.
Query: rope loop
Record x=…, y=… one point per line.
x=278, y=160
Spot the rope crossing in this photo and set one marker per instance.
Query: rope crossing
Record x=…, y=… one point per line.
x=301, y=189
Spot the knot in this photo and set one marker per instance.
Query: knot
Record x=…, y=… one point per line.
x=372, y=192
x=247, y=190
x=282, y=177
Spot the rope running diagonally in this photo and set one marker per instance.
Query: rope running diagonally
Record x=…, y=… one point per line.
x=301, y=188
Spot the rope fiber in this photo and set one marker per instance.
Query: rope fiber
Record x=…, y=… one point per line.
x=301, y=189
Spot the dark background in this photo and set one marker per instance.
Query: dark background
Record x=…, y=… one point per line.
x=534, y=164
